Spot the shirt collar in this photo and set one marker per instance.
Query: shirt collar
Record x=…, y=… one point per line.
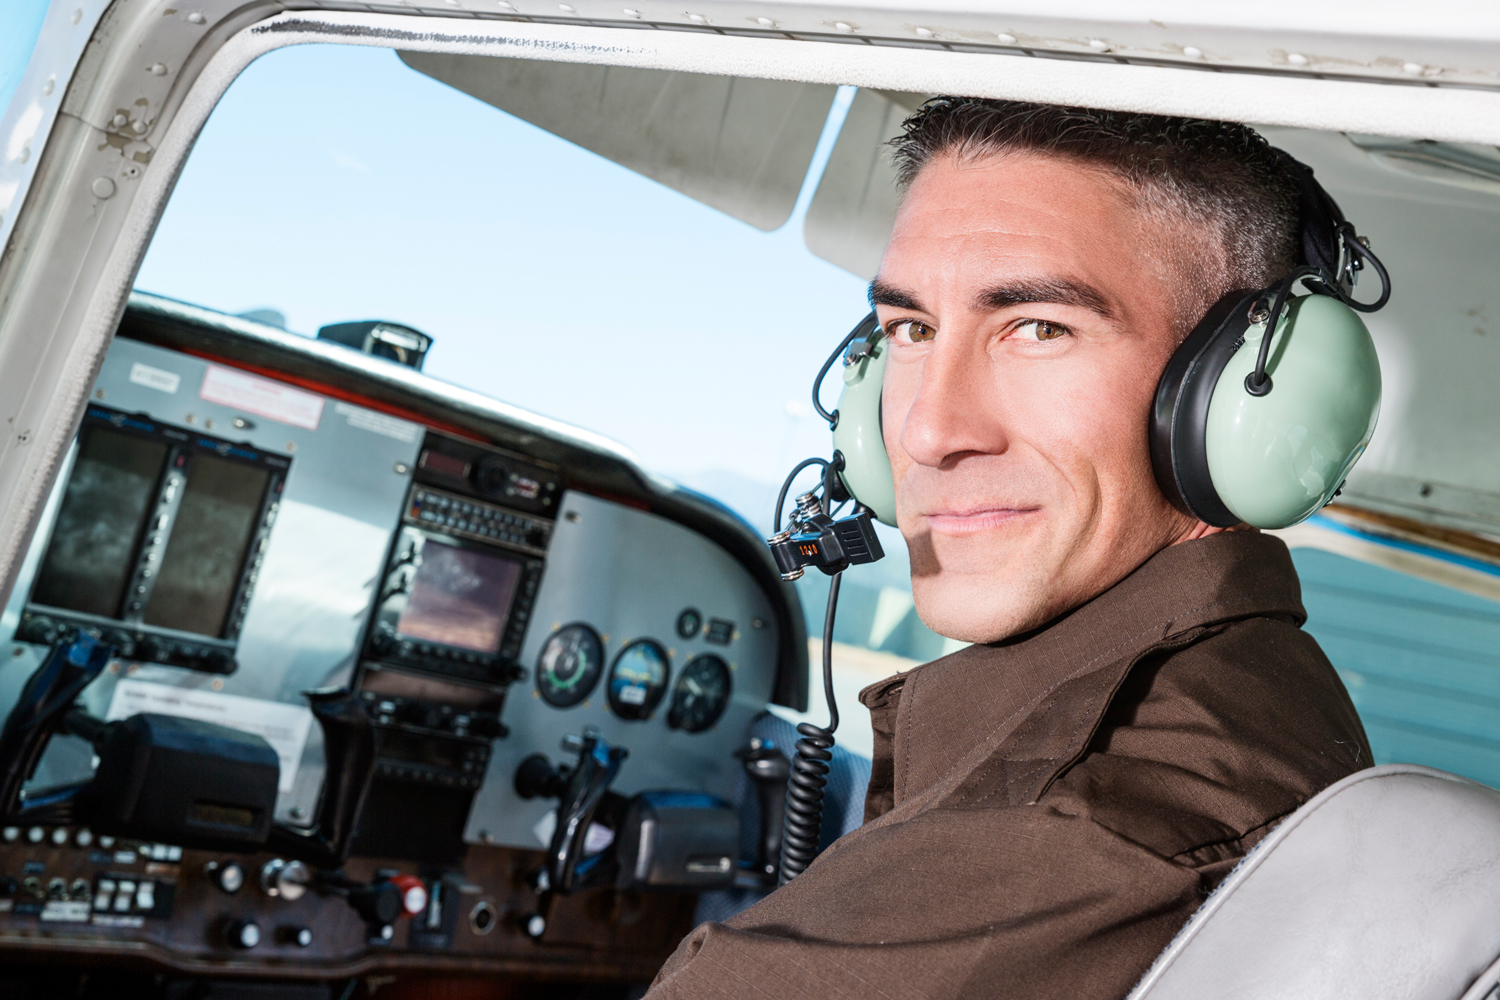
x=1034, y=701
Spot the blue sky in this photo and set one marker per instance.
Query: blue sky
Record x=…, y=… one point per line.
x=20, y=23
x=334, y=183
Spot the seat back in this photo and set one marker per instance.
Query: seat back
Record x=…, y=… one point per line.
x=1385, y=885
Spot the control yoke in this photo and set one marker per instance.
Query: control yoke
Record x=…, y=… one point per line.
x=349, y=755
x=579, y=790
x=769, y=769
x=72, y=665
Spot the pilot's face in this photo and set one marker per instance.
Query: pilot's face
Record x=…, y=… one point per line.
x=1029, y=321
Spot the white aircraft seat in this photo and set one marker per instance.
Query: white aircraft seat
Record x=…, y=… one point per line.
x=1384, y=886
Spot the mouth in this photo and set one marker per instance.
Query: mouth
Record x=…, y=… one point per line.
x=969, y=522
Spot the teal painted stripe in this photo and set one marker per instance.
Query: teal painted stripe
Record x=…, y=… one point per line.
x=1323, y=521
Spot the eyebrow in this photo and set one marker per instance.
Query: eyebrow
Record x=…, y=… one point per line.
x=1057, y=291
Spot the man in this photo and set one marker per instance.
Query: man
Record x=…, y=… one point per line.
x=1050, y=805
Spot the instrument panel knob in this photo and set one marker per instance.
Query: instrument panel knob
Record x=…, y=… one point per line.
x=242, y=934
x=301, y=937
x=229, y=877
x=286, y=880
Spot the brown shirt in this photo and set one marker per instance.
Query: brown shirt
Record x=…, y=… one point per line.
x=1045, y=813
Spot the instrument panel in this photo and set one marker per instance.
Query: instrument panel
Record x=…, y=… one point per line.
x=317, y=548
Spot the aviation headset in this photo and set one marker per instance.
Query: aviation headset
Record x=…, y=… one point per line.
x=1245, y=427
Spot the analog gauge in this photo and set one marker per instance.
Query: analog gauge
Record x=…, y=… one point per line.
x=638, y=679
x=570, y=665
x=689, y=623
x=700, y=695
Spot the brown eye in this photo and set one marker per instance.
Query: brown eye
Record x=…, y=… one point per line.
x=915, y=330
x=1041, y=329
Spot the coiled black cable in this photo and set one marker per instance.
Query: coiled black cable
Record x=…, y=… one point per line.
x=803, y=830
x=787, y=485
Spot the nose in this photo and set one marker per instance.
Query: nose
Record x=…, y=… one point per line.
x=957, y=410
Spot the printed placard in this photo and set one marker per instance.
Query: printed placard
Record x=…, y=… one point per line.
x=154, y=378
x=378, y=423
x=252, y=394
x=283, y=726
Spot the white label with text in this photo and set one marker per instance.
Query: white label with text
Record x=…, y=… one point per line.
x=154, y=378
x=262, y=397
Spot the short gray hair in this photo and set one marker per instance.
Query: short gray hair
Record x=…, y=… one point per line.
x=1222, y=177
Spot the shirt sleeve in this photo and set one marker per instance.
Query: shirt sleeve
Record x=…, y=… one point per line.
x=1013, y=902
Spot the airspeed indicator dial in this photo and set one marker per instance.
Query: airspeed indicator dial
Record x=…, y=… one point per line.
x=570, y=665
x=700, y=695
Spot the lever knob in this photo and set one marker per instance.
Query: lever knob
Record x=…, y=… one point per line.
x=537, y=778
x=379, y=903
x=413, y=894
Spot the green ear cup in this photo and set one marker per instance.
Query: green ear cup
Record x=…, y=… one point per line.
x=857, y=435
x=1275, y=459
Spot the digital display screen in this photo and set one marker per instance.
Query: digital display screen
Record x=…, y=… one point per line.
x=416, y=749
x=110, y=492
x=214, y=525
x=459, y=598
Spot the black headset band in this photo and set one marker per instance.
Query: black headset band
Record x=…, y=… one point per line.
x=1179, y=425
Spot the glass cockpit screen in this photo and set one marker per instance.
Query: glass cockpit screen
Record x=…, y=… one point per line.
x=215, y=523
x=156, y=540
x=459, y=597
x=92, y=553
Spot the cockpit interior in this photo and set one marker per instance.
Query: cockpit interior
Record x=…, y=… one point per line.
x=326, y=676
x=436, y=621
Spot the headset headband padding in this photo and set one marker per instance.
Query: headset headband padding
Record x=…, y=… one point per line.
x=1318, y=216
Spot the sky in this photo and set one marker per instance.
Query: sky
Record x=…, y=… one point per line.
x=334, y=183
x=20, y=23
